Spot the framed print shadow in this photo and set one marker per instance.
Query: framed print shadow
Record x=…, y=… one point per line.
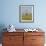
x=26, y=13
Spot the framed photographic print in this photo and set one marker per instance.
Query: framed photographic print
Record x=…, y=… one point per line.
x=26, y=13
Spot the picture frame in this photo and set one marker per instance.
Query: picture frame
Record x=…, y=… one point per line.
x=26, y=13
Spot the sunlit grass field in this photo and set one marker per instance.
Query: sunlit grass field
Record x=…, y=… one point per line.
x=27, y=16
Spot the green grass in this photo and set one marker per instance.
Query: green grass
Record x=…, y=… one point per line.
x=27, y=16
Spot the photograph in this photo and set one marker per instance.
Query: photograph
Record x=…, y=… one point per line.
x=26, y=13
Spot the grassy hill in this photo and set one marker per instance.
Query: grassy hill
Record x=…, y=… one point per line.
x=27, y=16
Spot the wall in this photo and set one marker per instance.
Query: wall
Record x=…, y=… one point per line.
x=9, y=13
